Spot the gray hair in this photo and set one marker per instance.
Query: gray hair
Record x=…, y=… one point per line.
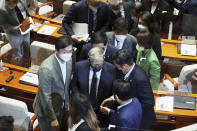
x=96, y=53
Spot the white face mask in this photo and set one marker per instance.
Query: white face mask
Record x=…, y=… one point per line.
x=93, y=8
x=139, y=48
x=65, y=57
x=142, y=27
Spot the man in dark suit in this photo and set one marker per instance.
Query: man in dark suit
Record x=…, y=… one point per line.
x=120, y=9
x=129, y=113
x=162, y=12
x=94, y=78
x=92, y=12
x=140, y=82
x=98, y=39
x=120, y=37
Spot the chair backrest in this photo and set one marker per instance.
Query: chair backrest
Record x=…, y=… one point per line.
x=185, y=76
x=4, y=48
x=17, y=109
x=40, y=51
x=66, y=6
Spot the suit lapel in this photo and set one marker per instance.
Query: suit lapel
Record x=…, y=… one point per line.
x=58, y=69
x=86, y=72
x=68, y=72
x=125, y=45
x=111, y=41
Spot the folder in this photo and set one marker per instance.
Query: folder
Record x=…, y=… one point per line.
x=29, y=79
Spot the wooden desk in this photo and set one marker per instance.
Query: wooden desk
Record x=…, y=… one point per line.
x=169, y=50
x=183, y=117
x=47, y=38
x=14, y=88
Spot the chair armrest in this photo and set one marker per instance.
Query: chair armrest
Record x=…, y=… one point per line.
x=4, y=43
x=31, y=122
x=172, y=81
x=44, y=4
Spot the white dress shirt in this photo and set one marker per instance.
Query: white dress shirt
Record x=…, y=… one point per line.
x=124, y=104
x=63, y=68
x=122, y=11
x=119, y=40
x=128, y=73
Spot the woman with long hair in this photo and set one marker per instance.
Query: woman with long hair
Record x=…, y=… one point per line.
x=81, y=115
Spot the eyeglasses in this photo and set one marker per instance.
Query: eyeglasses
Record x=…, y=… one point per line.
x=68, y=51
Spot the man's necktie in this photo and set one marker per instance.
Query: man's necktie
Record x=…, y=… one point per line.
x=19, y=14
x=118, y=44
x=93, y=89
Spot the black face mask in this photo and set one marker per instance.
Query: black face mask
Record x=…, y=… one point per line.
x=97, y=68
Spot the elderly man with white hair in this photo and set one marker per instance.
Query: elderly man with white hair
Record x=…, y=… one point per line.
x=94, y=78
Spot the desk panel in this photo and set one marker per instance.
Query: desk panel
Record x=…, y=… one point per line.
x=170, y=51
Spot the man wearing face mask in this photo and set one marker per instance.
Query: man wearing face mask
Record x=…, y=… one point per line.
x=54, y=78
x=94, y=78
x=12, y=13
x=120, y=37
x=98, y=39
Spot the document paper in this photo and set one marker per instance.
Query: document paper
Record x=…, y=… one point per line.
x=165, y=103
x=187, y=49
x=47, y=30
x=80, y=29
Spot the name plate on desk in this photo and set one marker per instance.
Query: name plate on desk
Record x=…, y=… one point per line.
x=165, y=103
x=189, y=50
x=29, y=79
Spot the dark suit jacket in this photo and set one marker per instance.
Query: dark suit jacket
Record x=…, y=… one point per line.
x=113, y=16
x=78, y=13
x=143, y=91
x=186, y=7
x=80, y=83
x=83, y=127
x=157, y=45
x=86, y=48
x=127, y=117
x=129, y=43
x=163, y=13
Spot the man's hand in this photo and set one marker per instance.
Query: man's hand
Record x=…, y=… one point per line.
x=54, y=125
x=107, y=102
x=77, y=39
x=105, y=110
x=19, y=26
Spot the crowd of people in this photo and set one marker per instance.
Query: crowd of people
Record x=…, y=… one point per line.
x=116, y=69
